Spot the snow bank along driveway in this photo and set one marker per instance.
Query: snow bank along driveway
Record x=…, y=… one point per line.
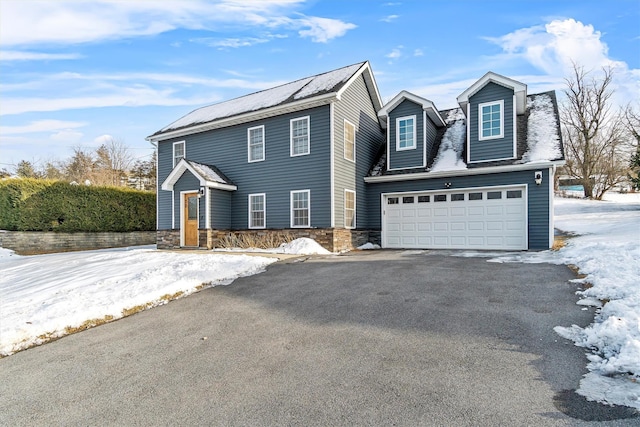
x=48, y=296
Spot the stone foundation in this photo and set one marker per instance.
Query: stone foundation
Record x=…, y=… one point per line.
x=332, y=239
x=42, y=242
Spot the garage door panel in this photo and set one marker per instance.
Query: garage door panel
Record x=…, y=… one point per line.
x=440, y=226
x=458, y=226
x=478, y=219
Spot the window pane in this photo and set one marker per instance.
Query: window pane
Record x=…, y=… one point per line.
x=300, y=207
x=178, y=152
x=349, y=141
x=405, y=133
x=440, y=198
x=475, y=196
x=408, y=199
x=457, y=197
x=300, y=136
x=392, y=201
x=192, y=208
x=424, y=199
x=514, y=194
x=494, y=195
x=349, y=209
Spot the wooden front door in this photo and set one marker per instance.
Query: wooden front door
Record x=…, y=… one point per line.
x=190, y=219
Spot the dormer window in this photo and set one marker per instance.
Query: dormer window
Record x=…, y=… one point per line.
x=491, y=120
x=405, y=133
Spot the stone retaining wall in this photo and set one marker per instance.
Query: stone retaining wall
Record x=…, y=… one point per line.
x=332, y=239
x=42, y=242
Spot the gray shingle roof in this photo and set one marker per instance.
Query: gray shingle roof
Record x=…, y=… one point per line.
x=299, y=90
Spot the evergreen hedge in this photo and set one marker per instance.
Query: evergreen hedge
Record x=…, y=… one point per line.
x=42, y=205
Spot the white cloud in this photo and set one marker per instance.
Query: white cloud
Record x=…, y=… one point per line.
x=554, y=48
x=69, y=22
x=395, y=53
x=16, y=55
x=67, y=135
x=321, y=30
x=418, y=52
x=390, y=18
x=41, y=126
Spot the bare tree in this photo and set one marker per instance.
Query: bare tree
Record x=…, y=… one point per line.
x=632, y=123
x=26, y=169
x=113, y=160
x=593, y=134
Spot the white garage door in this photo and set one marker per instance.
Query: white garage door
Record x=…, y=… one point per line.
x=487, y=218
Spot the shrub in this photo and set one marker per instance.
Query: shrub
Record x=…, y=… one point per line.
x=40, y=205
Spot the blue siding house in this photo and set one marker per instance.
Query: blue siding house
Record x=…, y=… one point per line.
x=322, y=157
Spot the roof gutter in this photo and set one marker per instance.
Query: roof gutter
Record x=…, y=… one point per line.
x=246, y=117
x=463, y=172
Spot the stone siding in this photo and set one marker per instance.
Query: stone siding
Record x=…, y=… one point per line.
x=42, y=242
x=332, y=239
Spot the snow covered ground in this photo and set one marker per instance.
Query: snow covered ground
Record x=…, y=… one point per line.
x=44, y=295
x=47, y=296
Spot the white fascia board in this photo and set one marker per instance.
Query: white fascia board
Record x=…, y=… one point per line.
x=464, y=172
x=377, y=100
x=303, y=104
x=427, y=106
x=519, y=89
x=184, y=166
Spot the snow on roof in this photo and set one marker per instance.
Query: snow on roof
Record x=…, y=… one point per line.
x=542, y=130
x=289, y=92
x=450, y=152
x=208, y=172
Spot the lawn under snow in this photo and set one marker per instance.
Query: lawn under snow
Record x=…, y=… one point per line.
x=607, y=250
x=47, y=296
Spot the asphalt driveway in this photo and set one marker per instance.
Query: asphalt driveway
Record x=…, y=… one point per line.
x=376, y=338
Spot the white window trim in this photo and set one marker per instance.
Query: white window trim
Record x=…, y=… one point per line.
x=415, y=133
x=488, y=104
x=354, y=209
x=249, y=144
x=264, y=207
x=308, y=119
x=184, y=151
x=291, y=216
x=347, y=122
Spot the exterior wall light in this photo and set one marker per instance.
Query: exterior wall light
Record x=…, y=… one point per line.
x=538, y=177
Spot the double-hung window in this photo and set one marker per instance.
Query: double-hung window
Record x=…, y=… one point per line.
x=178, y=152
x=300, y=208
x=491, y=120
x=349, y=209
x=255, y=143
x=405, y=133
x=349, y=141
x=299, y=136
x=257, y=210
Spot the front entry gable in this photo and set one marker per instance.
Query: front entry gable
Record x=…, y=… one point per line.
x=208, y=176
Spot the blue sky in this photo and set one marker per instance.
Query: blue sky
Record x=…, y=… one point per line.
x=73, y=73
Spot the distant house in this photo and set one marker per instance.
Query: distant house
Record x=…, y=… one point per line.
x=322, y=157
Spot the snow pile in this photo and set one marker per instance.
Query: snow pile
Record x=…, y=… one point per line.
x=302, y=246
x=6, y=253
x=542, y=131
x=44, y=295
x=368, y=246
x=450, y=152
x=608, y=255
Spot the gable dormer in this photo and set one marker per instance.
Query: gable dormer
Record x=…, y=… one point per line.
x=491, y=106
x=411, y=123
